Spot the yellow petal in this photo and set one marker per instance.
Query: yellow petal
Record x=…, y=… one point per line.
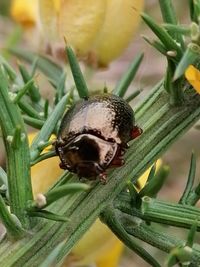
x=111, y=258
x=97, y=30
x=192, y=74
x=143, y=178
x=45, y=173
x=98, y=245
x=120, y=24
x=78, y=21
x=57, y=5
x=25, y=12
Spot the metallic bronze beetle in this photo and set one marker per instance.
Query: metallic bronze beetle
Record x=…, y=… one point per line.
x=94, y=134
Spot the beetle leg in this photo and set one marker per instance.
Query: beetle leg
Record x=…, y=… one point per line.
x=82, y=179
x=136, y=131
x=62, y=166
x=117, y=162
x=58, y=143
x=124, y=146
x=103, y=178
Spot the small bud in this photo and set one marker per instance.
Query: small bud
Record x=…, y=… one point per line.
x=23, y=136
x=9, y=139
x=41, y=113
x=40, y=200
x=41, y=144
x=12, y=96
x=172, y=53
x=16, y=220
x=195, y=34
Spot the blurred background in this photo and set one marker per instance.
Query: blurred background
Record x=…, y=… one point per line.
x=150, y=73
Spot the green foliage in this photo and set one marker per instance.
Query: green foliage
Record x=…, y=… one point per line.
x=4, y=7
x=61, y=216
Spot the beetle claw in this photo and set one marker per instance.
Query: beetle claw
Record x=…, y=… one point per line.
x=82, y=179
x=59, y=142
x=103, y=178
x=62, y=166
x=124, y=146
x=118, y=162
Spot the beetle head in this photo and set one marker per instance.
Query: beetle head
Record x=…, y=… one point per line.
x=87, y=155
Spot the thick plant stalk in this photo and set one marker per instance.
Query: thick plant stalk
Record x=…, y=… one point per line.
x=16, y=144
x=162, y=125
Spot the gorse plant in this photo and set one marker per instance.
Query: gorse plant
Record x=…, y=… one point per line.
x=42, y=231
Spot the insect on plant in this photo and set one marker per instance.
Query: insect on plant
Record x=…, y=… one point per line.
x=94, y=134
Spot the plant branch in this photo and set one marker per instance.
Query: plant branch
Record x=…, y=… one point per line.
x=18, y=159
x=14, y=229
x=160, y=240
x=112, y=218
x=162, y=125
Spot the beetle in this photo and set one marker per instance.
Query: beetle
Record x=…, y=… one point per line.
x=94, y=134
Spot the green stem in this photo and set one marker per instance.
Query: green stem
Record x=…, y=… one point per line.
x=169, y=16
x=190, y=180
x=18, y=159
x=44, y=156
x=23, y=91
x=191, y=56
x=182, y=29
x=29, y=110
x=77, y=74
x=33, y=90
x=153, y=210
x=13, y=228
x=173, y=87
x=160, y=240
x=59, y=192
x=112, y=218
x=133, y=95
x=36, y=123
x=169, y=213
x=163, y=35
x=126, y=227
x=162, y=125
x=193, y=196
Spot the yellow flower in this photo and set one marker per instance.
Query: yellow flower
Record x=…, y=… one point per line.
x=77, y=20
x=44, y=173
x=120, y=23
x=99, y=245
x=25, y=12
x=99, y=30
x=192, y=74
x=143, y=178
